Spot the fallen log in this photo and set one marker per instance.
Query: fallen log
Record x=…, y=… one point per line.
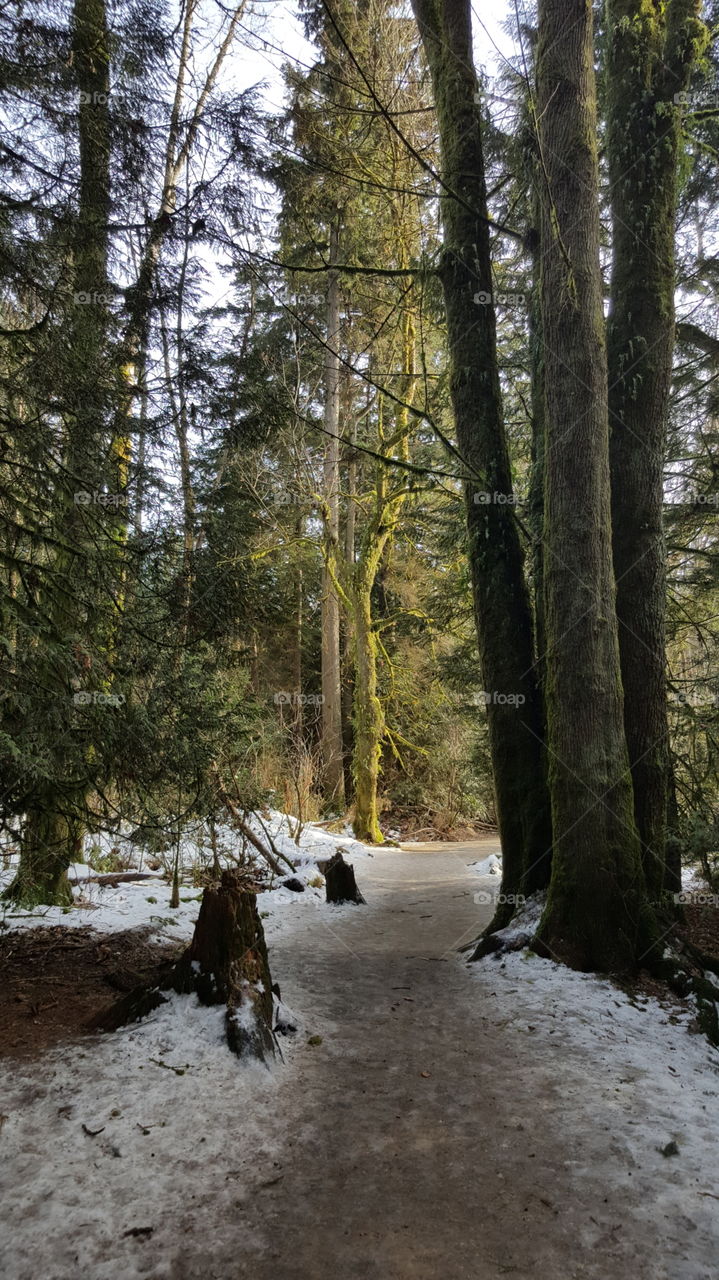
x=113, y=878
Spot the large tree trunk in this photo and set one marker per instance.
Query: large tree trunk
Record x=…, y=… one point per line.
x=501, y=599
x=53, y=818
x=331, y=661
x=651, y=53
x=45, y=854
x=594, y=917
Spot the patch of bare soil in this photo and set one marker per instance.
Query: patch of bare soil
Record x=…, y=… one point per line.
x=701, y=927
x=52, y=981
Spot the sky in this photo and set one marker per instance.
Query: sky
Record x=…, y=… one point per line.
x=282, y=38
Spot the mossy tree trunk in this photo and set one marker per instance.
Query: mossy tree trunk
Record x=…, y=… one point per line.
x=596, y=915
x=368, y=715
x=501, y=599
x=332, y=745
x=47, y=842
x=651, y=51
x=54, y=813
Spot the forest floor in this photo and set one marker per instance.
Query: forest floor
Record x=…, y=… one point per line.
x=432, y=1120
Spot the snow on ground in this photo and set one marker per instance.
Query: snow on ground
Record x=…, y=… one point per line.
x=100, y=1135
x=147, y=902
x=491, y=866
x=642, y=1063
x=97, y=1138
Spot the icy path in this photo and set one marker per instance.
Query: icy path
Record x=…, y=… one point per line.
x=451, y=1124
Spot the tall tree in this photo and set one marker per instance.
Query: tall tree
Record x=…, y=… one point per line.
x=652, y=50
x=596, y=915
x=501, y=599
x=332, y=747
x=53, y=820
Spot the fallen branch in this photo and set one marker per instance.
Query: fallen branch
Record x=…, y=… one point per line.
x=272, y=858
x=113, y=878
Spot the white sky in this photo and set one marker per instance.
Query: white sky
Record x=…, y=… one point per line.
x=283, y=39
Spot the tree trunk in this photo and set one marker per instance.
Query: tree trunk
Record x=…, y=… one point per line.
x=368, y=715
x=331, y=664
x=651, y=53
x=45, y=854
x=348, y=637
x=501, y=599
x=53, y=818
x=595, y=909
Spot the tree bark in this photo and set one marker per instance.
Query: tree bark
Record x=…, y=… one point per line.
x=331, y=662
x=225, y=964
x=501, y=599
x=53, y=819
x=652, y=49
x=595, y=911
x=340, y=883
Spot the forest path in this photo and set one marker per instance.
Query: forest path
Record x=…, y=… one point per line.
x=423, y=1140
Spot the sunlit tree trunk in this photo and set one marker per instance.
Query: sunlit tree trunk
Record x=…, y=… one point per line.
x=333, y=766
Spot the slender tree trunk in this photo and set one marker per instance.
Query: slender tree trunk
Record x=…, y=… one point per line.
x=348, y=637
x=501, y=599
x=651, y=52
x=595, y=911
x=331, y=663
x=368, y=713
x=536, y=488
x=298, y=605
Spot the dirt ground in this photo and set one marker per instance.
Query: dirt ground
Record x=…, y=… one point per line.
x=53, y=980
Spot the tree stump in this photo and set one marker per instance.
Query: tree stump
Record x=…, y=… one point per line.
x=340, y=882
x=226, y=963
